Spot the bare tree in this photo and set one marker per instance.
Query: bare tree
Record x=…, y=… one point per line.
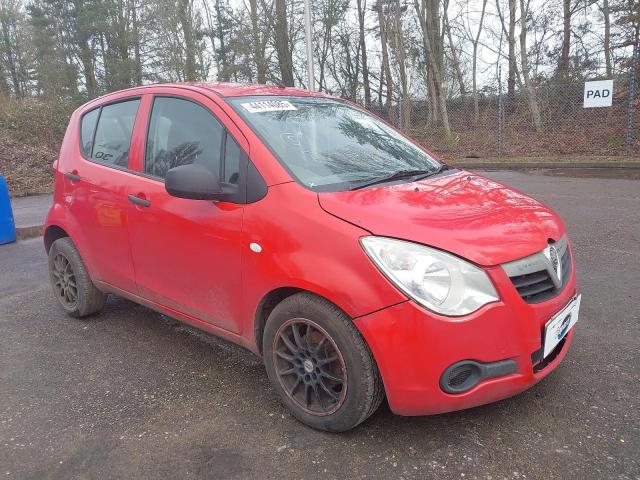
x=401, y=57
x=135, y=24
x=528, y=86
x=385, y=58
x=9, y=19
x=185, y=18
x=283, y=48
x=476, y=40
x=455, y=59
x=427, y=12
x=259, y=35
x=606, y=13
x=362, y=7
x=511, y=40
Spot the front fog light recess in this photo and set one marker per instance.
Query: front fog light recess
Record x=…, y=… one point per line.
x=435, y=279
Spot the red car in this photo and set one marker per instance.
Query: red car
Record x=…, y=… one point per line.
x=312, y=233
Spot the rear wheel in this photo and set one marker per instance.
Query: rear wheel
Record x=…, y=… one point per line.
x=70, y=281
x=319, y=364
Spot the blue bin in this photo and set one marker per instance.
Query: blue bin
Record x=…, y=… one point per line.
x=7, y=225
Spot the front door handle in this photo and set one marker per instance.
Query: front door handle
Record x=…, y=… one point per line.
x=74, y=177
x=143, y=202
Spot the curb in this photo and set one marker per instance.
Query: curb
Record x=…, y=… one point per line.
x=540, y=166
x=24, y=233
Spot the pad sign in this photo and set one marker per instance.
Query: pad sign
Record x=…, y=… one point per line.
x=268, y=106
x=598, y=93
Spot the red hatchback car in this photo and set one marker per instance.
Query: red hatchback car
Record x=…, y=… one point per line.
x=317, y=236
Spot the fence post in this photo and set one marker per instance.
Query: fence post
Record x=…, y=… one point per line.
x=499, y=111
x=632, y=94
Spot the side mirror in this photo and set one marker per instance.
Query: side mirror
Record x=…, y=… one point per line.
x=193, y=181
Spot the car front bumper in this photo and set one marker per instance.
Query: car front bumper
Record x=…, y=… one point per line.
x=413, y=347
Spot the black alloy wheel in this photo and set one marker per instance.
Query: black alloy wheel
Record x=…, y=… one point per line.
x=319, y=363
x=310, y=366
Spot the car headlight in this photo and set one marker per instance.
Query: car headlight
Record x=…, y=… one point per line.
x=437, y=280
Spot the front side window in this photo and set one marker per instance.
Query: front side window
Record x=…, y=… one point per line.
x=181, y=132
x=113, y=133
x=327, y=144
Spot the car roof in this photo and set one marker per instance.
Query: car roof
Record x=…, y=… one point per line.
x=220, y=89
x=245, y=89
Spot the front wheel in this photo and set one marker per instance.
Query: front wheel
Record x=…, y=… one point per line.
x=320, y=365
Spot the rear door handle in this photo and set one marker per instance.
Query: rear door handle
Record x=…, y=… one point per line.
x=143, y=202
x=74, y=177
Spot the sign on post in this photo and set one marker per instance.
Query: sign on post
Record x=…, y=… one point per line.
x=598, y=94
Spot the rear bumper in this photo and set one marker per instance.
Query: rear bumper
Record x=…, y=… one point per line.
x=413, y=347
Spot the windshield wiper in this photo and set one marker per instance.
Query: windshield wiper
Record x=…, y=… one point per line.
x=400, y=174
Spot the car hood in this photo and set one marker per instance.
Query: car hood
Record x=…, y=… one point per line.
x=463, y=213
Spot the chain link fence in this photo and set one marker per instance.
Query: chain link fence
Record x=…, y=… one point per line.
x=502, y=125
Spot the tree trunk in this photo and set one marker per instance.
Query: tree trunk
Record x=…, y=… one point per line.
x=606, y=12
x=224, y=70
x=86, y=55
x=324, y=52
x=432, y=62
x=258, y=53
x=362, y=6
x=434, y=116
x=11, y=61
x=563, y=63
x=405, y=101
x=136, y=45
x=185, y=18
x=381, y=88
x=282, y=43
x=511, y=79
x=4, y=85
x=529, y=89
x=385, y=59
x=455, y=60
x=476, y=40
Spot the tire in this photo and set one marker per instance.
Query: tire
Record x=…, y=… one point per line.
x=70, y=281
x=332, y=395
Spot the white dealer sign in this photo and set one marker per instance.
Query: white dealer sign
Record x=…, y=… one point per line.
x=598, y=94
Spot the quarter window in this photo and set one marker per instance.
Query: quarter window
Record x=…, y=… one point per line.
x=113, y=134
x=232, y=155
x=182, y=132
x=86, y=132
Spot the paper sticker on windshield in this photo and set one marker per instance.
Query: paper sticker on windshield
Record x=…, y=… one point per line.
x=268, y=106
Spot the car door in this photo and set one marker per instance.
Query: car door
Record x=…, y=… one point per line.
x=94, y=185
x=187, y=253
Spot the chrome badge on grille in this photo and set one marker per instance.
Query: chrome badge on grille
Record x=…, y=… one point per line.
x=551, y=253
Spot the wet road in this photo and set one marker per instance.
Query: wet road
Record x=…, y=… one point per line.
x=133, y=394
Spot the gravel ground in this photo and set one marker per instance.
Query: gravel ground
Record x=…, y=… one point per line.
x=131, y=393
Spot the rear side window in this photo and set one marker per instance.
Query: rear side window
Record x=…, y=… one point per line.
x=180, y=133
x=113, y=133
x=86, y=132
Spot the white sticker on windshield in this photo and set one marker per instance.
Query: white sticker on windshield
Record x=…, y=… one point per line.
x=268, y=106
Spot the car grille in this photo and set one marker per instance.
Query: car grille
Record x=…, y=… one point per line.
x=532, y=278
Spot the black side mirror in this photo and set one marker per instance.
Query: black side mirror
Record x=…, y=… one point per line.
x=193, y=181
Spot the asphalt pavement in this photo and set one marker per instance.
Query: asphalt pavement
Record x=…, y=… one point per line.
x=133, y=394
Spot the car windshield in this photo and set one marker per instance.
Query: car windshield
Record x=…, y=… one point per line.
x=328, y=144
